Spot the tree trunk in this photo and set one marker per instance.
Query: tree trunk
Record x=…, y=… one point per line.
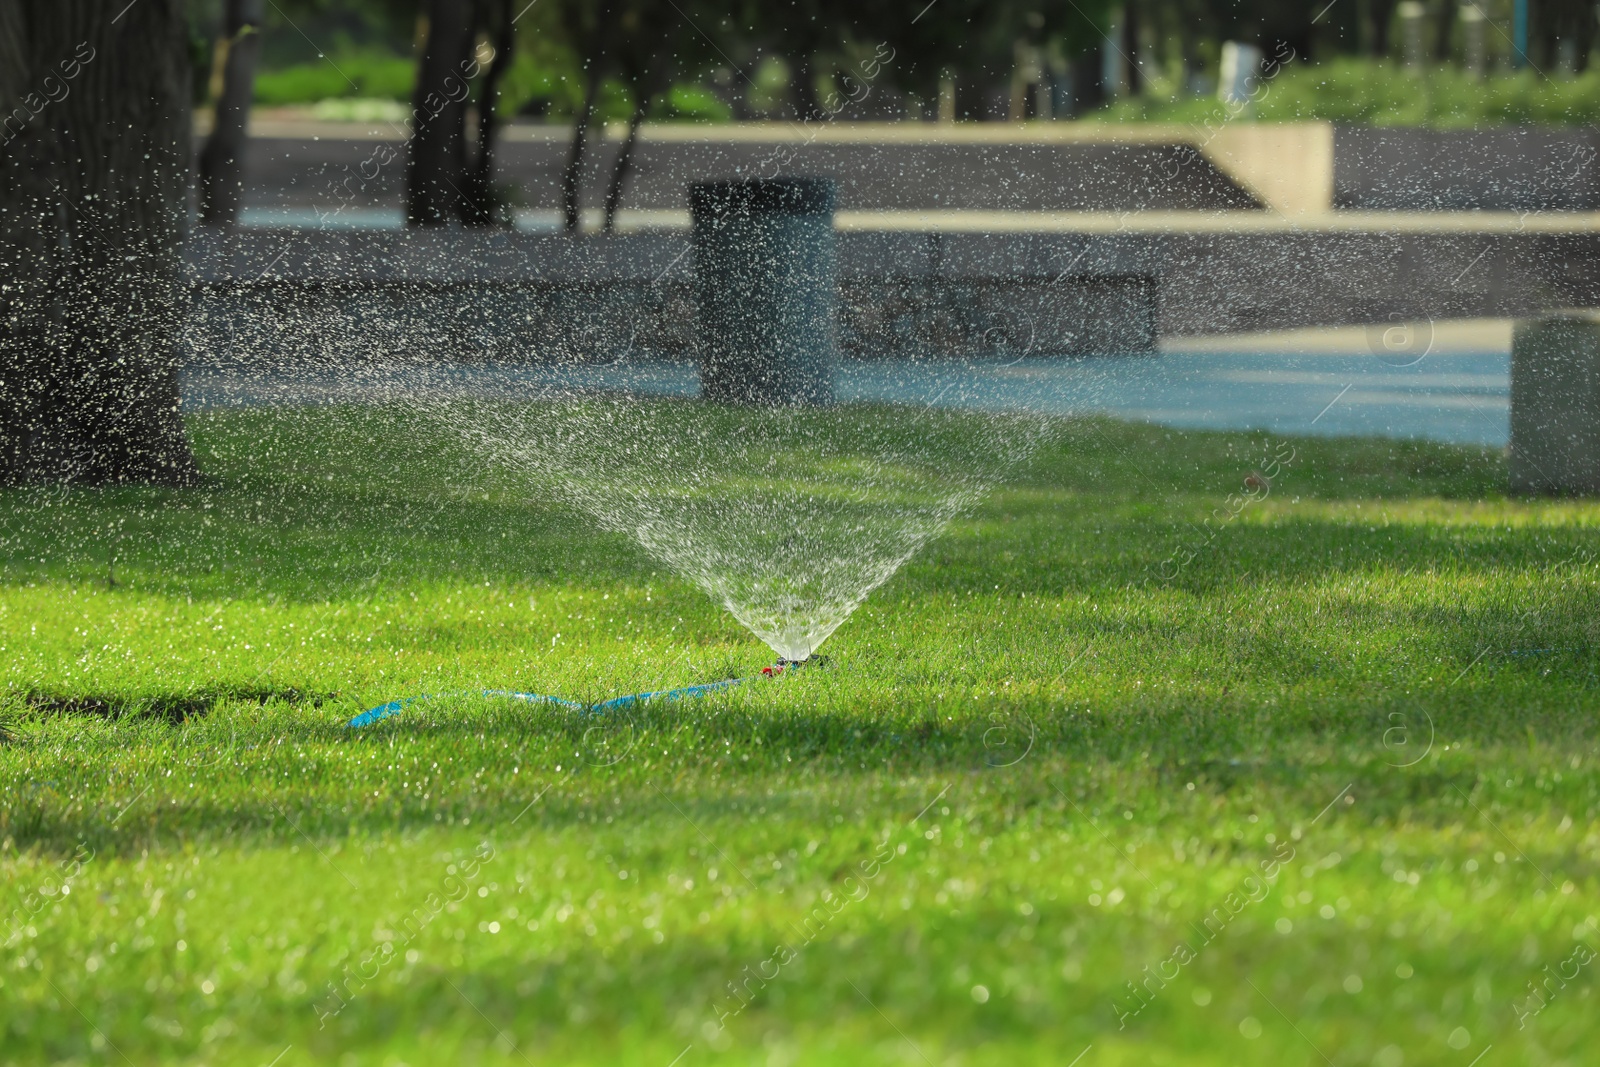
x=220, y=161
x=572, y=174
x=1381, y=16
x=619, y=173
x=1131, y=33
x=93, y=192
x=436, y=163
x=480, y=206
x=1583, y=36
x=1088, y=81
x=1544, y=27
x=593, y=26
x=1557, y=22
x=1443, y=27
x=803, y=90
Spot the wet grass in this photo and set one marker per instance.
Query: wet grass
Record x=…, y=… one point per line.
x=1312, y=783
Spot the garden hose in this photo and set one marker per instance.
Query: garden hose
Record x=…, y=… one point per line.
x=394, y=707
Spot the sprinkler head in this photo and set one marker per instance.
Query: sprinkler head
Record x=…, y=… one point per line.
x=792, y=665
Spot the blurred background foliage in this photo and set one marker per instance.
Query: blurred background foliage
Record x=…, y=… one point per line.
x=1360, y=90
x=1357, y=61
x=1435, y=63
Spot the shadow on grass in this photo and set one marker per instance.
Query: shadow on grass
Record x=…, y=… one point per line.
x=1071, y=543
x=173, y=708
x=294, y=776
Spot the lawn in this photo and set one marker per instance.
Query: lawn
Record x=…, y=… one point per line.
x=1117, y=770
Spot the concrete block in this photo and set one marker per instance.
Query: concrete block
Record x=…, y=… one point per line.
x=1555, y=404
x=1288, y=166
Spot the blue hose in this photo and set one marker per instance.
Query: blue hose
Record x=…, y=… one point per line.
x=394, y=707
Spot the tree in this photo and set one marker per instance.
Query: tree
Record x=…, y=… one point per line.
x=93, y=185
x=646, y=45
x=480, y=205
x=1558, y=22
x=1380, y=16
x=221, y=159
x=444, y=181
x=1443, y=26
x=591, y=30
x=436, y=162
x=659, y=43
x=974, y=39
x=802, y=31
x=1130, y=48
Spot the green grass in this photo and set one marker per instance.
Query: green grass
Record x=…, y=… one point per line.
x=1368, y=92
x=1377, y=684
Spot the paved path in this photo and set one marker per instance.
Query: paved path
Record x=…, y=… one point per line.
x=537, y=220
x=286, y=176
x=1452, y=386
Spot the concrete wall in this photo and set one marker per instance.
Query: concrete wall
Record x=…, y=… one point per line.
x=1077, y=316
x=1506, y=169
x=1234, y=282
x=590, y=323
x=320, y=295
x=330, y=294
x=1287, y=166
x=1220, y=163
x=1555, y=405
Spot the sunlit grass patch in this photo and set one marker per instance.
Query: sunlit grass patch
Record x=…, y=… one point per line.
x=1037, y=763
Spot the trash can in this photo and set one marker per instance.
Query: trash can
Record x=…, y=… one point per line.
x=765, y=289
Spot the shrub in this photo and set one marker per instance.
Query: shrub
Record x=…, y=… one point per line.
x=1367, y=92
x=365, y=74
